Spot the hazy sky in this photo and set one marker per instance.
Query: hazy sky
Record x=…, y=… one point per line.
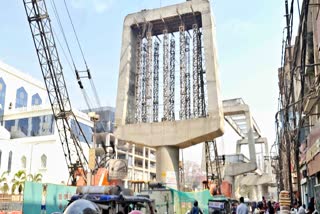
x=249, y=35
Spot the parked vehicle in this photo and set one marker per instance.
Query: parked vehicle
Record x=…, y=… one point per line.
x=220, y=204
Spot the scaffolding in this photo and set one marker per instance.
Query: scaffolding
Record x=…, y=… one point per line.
x=195, y=80
x=166, y=89
x=156, y=82
x=191, y=98
x=143, y=83
x=149, y=79
x=188, y=100
x=138, y=80
x=202, y=105
x=183, y=106
x=172, y=78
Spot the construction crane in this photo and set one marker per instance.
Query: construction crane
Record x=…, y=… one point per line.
x=211, y=149
x=44, y=42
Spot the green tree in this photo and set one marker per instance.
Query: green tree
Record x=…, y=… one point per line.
x=18, y=181
x=3, y=182
x=35, y=177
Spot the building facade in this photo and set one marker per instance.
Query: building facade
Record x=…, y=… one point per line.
x=29, y=139
x=298, y=132
x=141, y=159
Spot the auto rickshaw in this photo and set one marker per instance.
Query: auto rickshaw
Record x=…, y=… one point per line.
x=220, y=204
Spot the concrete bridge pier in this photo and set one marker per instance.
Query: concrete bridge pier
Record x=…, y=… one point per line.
x=167, y=167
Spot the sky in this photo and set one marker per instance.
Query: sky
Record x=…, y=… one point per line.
x=249, y=36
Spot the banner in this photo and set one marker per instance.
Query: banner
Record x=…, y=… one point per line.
x=46, y=198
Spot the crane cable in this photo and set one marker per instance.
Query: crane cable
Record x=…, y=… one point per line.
x=84, y=93
x=72, y=59
x=62, y=31
x=83, y=57
x=75, y=33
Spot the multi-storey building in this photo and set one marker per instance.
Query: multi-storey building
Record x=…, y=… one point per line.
x=299, y=113
x=141, y=162
x=29, y=140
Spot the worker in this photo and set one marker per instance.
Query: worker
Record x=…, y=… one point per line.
x=195, y=209
x=242, y=207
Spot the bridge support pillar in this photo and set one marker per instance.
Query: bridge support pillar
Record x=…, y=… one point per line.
x=167, y=165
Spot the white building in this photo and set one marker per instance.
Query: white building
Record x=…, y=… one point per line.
x=28, y=137
x=29, y=140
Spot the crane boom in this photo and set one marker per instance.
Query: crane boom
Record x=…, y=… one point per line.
x=52, y=73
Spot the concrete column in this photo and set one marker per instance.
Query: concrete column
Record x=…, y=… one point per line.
x=260, y=192
x=238, y=148
x=133, y=161
x=167, y=165
x=254, y=193
x=144, y=163
x=251, y=142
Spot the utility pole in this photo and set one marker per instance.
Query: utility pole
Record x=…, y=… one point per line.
x=287, y=130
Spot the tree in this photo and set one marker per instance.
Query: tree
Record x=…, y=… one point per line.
x=3, y=182
x=18, y=181
x=35, y=177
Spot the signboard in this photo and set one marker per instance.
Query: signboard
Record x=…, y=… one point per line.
x=171, y=180
x=118, y=169
x=215, y=204
x=313, y=150
x=46, y=198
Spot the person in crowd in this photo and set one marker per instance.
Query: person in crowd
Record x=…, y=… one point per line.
x=242, y=207
x=301, y=210
x=293, y=209
x=264, y=202
x=258, y=209
x=311, y=208
x=270, y=208
x=195, y=209
x=234, y=208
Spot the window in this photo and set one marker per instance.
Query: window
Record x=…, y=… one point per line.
x=87, y=131
x=9, y=161
x=36, y=100
x=21, y=98
x=2, y=98
x=32, y=126
x=9, y=124
x=35, y=126
x=43, y=161
x=129, y=160
x=23, y=126
x=23, y=162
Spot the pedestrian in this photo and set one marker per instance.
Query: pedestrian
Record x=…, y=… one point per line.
x=311, y=208
x=264, y=202
x=301, y=210
x=294, y=209
x=195, y=209
x=258, y=209
x=43, y=199
x=270, y=209
x=242, y=207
